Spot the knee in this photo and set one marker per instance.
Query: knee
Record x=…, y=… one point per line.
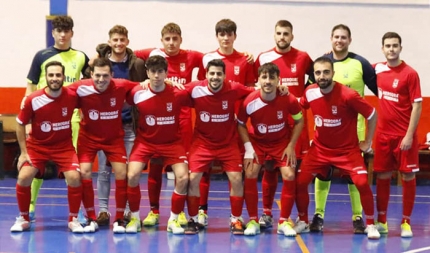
x=408, y=176
x=103, y=176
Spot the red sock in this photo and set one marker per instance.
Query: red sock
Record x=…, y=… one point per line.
x=193, y=205
x=251, y=198
x=409, y=191
x=154, y=186
x=269, y=184
x=133, y=195
x=366, y=196
x=120, y=198
x=23, y=196
x=88, y=198
x=302, y=195
x=288, y=195
x=204, y=189
x=382, y=198
x=178, y=202
x=74, y=196
x=236, y=203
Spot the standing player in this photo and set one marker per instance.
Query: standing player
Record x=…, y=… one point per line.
x=158, y=134
x=355, y=72
x=75, y=63
x=127, y=66
x=335, y=109
x=273, y=140
x=49, y=111
x=294, y=65
x=181, y=64
x=396, y=146
x=101, y=100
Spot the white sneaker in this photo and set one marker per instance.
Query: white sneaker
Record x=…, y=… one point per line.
x=75, y=226
x=406, y=230
x=252, y=228
x=174, y=227
x=372, y=232
x=118, y=227
x=301, y=227
x=91, y=227
x=133, y=226
x=202, y=218
x=286, y=229
x=20, y=225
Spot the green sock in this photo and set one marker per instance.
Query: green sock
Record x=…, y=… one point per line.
x=356, y=207
x=321, y=192
x=35, y=187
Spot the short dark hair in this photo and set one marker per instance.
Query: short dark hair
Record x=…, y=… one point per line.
x=391, y=35
x=54, y=63
x=62, y=23
x=343, y=27
x=119, y=29
x=156, y=62
x=171, y=28
x=284, y=23
x=102, y=62
x=216, y=63
x=324, y=59
x=269, y=68
x=225, y=25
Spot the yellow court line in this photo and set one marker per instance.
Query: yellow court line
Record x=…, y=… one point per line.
x=299, y=239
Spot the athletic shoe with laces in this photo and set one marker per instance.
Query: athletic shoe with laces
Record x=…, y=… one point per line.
x=32, y=216
x=192, y=227
x=358, y=225
x=301, y=227
x=174, y=227
x=119, y=227
x=372, y=232
x=182, y=219
x=91, y=226
x=285, y=228
x=202, y=218
x=266, y=221
x=382, y=227
x=151, y=220
x=252, y=228
x=317, y=223
x=103, y=219
x=236, y=226
x=133, y=226
x=20, y=225
x=75, y=226
x=406, y=230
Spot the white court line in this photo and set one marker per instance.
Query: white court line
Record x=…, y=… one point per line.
x=417, y=250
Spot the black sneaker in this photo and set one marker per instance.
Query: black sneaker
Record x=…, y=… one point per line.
x=266, y=221
x=317, y=223
x=192, y=228
x=236, y=227
x=358, y=225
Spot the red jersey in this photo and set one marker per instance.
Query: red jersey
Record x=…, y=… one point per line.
x=237, y=69
x=101, y=111
x=158, y=113
x=335, y=115
x=49, y=117
x=398, y=88
x=269, y=118
x=215, y=120
x=180, y=66
x=293, y=66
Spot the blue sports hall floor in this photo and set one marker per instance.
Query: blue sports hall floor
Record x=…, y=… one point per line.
x=50, y=233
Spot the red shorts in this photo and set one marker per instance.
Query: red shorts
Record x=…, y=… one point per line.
x=319, y=160
x=201, y=158
x=271, y=152
x=170, y=153
x=64, y=156
x=302, y=145
x=114, y=150
x=389, y=157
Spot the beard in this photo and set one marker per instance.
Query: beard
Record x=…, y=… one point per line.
x=55, y=85
x=283, y=47
x=324, y=83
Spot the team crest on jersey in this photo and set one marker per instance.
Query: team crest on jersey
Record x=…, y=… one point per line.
x=64, y=111
x=236, y=70
x=334, y=109
x=182, y=67
x=224, y=105
x=169, y=107
x=395, y=83
x=345, y=74
x=112, y=102
x=293, y=68
x=280, y=115
x=74, y=65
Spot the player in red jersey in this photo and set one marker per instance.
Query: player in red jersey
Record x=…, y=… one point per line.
x=49, y=111
x=158, y=134
x=181, y=64
x=101, y=100
x=273, y=140
x=396, y=145
x=335, y=109
x=294, y=65
x=214, y=100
